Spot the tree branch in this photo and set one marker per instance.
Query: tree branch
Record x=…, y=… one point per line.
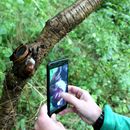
x=27, y=58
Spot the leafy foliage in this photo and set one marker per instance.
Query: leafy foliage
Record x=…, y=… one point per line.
x=98, y=51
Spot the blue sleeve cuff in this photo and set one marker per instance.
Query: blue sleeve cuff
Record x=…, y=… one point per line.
x=109, y=122
x=114, y=121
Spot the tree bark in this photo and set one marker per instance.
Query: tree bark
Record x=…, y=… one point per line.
x=54, y=30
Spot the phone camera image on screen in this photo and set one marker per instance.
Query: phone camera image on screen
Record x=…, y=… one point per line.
x=58, y=84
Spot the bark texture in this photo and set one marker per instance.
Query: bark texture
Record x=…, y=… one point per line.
x=54, y=30
x=57, y=27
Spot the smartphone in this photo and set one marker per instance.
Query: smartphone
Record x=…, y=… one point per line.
x=57, y=82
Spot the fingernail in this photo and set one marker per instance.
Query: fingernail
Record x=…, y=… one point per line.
x=62, y=94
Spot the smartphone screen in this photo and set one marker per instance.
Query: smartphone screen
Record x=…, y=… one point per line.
x=57, y=82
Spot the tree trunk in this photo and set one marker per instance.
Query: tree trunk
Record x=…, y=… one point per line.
x=25, y=63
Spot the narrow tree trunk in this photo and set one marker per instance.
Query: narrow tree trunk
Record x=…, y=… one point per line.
x=54, y=30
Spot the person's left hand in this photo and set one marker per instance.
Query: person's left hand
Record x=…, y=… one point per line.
x=44, y=122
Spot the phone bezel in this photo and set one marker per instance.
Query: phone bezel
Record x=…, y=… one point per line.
x=52, y=65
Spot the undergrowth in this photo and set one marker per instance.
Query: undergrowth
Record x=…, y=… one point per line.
x=98, y=52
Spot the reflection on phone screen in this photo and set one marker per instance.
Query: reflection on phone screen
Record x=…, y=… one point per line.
x=58, y=84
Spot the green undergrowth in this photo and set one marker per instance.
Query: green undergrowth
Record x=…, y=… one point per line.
x=98, y=51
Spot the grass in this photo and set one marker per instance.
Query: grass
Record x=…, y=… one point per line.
x=98, y=51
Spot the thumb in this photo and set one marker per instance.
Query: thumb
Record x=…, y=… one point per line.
x=54, y=117
x=70, y=98
x=43, y=110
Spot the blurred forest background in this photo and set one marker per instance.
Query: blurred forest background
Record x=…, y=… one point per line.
x=98, y=51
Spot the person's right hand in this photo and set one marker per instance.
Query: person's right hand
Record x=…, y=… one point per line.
x=82, y=104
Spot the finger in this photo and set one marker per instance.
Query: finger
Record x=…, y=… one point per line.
x=65, y=111
x=53, y=117
x=60, y=124
x=75, y=90
x=36, y=127
x=43, y=110
x=43, y=113
x=70, y=98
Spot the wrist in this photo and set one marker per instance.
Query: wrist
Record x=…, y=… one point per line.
x=97, y=114
x=99, y=122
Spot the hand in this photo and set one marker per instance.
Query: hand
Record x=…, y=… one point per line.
x=44, y=122
x=82, y=104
